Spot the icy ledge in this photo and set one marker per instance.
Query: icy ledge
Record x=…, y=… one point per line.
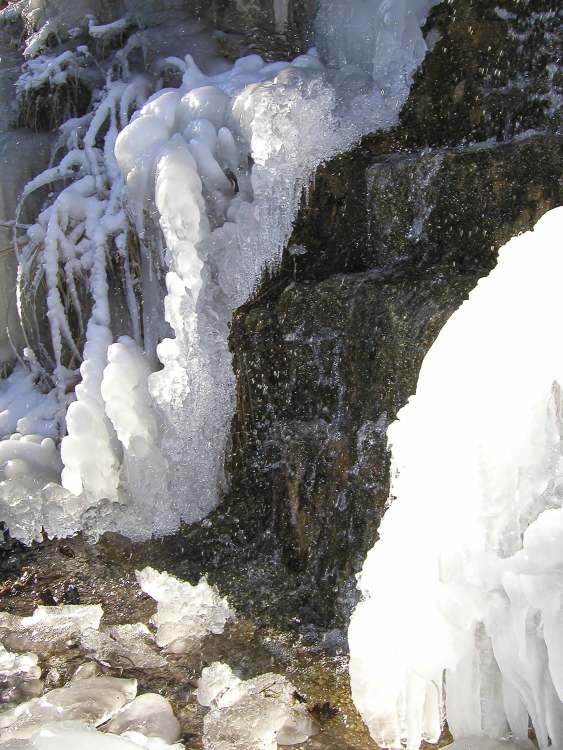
x=466, y=578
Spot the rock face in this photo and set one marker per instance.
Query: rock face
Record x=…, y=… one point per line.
x=392, y=238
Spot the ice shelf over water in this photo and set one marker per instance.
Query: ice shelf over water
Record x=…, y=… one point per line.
x=466, y=578
x=208, y=176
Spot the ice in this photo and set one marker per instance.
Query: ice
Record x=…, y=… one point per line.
x=25, y=409
x=215, y=680
x=144, y=133
x=93, y=701
x=486, y=743
x=208, y=177
x=185, y=613
x=465, y=579
x=48, y=628
x=69, y=735
x=258, y=714
x=150, y=715
x=21, y=665
x=124, y=645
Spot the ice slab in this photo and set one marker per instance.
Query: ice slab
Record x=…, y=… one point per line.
x=465, y=581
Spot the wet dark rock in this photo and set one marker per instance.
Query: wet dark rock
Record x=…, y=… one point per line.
x=391, y=239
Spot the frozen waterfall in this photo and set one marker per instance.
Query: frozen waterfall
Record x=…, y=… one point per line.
x=461, y=613
x=201, y=181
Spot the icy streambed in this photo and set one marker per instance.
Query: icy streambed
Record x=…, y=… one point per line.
x=98, y=710
x=462, y=606
x=208, y=177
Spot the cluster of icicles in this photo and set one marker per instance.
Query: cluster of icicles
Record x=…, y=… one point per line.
x=190, y=192
x=103, y=712
x=463, y=610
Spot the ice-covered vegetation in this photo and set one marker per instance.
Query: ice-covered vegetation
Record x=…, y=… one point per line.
x=465, y=580
x=166, y=205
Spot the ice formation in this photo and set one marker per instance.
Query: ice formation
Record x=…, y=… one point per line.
x=128, y=645
x=465, y=580
x=93, y=700
x=150, y=715
x=258, y=714
x=66, y=717
x=68, y=735
x=207, y=177
x=215, y=680
x=49, y=628
x=185, y=613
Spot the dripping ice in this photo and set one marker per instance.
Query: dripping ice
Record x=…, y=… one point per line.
x=208, y=177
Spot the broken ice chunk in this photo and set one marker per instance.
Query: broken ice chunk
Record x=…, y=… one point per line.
x=126, y=645
x=92, y=700
x=150, y=715
x=257, y=714
x=215, y=680
x=185, y=613
x=48, y=628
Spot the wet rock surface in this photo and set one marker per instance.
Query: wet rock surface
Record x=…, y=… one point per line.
x=390, y=239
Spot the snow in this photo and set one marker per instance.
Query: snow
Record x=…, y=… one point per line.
x=185, y=613
x=258, y=714
x=465, y=579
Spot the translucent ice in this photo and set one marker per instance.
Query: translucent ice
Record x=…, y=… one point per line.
x=49, y=628
x=22, y=665
x=69, y=735
x=215, y=680
x=150, y=715
x=258, y=714
x=93, y=701
x=185, y=613
x=466, y=579
x=122, y=645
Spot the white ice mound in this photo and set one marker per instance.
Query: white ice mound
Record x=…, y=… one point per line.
x=466, y=577
x=49, y=628
x=150, y=715
x=185, y=613
x=91, y=700
x=258, y=714
x=70, y=735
